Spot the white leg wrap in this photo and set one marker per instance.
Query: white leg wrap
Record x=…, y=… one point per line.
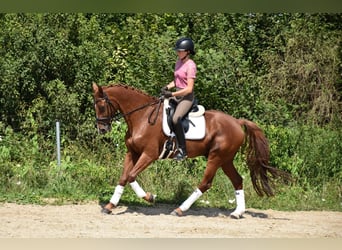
x=240, y=204
x=192, y=198
x=117, y=194
x=240, y=200
x=137, y=189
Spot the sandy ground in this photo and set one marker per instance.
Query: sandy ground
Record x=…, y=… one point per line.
x=86, y=221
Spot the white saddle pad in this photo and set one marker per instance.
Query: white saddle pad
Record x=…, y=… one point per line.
x=196, y=130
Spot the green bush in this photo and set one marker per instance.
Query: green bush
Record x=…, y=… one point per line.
x=310, y=153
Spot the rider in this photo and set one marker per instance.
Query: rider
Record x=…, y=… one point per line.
x=184, y=79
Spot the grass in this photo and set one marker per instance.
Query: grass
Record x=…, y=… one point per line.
x=171, y=181
x=31, y=175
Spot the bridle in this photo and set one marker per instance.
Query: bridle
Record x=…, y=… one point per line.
x=106, y=120
x=116, y=115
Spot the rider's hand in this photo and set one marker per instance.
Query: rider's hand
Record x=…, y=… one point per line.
x=167, y=94
x=164, y=89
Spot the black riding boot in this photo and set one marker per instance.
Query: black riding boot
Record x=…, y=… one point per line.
x=181, y=152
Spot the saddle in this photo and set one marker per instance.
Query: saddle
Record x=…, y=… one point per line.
x=193, y=122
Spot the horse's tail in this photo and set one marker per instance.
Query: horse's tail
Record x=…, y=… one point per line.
x=258, y=155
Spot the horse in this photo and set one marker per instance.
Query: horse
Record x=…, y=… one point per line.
x=144, y=139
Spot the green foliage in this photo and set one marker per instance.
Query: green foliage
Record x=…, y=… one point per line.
x=23, y=164
x=302, y=75
x=311, y=154
x=227, y=84
x=274, y=68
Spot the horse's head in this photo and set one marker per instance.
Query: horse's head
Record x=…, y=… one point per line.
x=104, y=109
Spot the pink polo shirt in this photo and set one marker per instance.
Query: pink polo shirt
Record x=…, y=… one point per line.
x=184, y=71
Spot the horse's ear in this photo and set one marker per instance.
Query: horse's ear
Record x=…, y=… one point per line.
x=97, y=89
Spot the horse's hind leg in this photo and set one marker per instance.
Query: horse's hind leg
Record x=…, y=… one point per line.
x=236, y=179
x=205, y=184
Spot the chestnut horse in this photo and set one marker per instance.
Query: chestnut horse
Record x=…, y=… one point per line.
x=145, y=139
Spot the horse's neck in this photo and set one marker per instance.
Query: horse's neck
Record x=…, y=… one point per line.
x=129, y=100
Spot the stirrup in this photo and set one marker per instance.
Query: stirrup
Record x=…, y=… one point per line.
x=180, y=155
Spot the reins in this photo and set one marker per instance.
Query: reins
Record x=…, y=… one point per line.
x=159, y=101
x=118, y=116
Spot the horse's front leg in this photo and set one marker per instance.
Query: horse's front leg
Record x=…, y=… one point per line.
x=143, y=162
x=129, y=175
x=118, y=191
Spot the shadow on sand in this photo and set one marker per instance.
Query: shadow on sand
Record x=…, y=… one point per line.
x=166, y=209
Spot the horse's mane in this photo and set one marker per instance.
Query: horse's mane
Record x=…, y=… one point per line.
x=122, y=85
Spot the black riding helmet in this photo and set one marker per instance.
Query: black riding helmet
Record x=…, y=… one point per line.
x=184, y=44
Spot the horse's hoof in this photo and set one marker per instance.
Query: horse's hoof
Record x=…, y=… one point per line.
x=236, y=216
x=151, y=198
x=106, y=211
x=176, y=212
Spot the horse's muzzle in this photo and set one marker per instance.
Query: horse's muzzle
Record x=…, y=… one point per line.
x=104, y=128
